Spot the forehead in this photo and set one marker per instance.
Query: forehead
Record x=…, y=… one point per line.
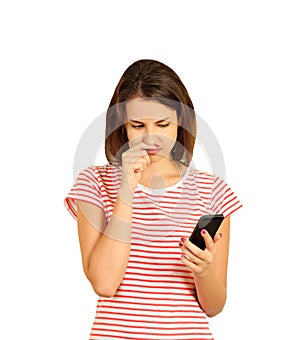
x=141, y=109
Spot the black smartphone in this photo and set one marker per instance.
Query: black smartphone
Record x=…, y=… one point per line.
x=211, y=223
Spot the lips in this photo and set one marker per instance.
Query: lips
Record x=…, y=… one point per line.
x=152, y=151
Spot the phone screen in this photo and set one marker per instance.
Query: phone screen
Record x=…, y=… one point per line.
x=211, y=223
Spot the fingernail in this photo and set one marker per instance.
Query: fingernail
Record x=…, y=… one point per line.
x=203, y=231
x=180, y=244
x=183, y=239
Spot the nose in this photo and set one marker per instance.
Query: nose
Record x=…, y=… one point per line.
x=149, y=138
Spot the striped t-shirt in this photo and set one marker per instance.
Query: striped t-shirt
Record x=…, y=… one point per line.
x=156, y=298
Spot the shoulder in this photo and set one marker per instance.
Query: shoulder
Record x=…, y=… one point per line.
x=212, y=183
x=202, y=177
x=99, y=173
x=104, y=174
x=105, y=170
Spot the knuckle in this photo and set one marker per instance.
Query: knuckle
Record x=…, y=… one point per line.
x=198, y=252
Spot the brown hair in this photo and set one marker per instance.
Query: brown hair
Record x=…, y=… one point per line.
x=156, y=81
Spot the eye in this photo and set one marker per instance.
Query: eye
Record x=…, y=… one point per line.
x=137, y=126
x=140, y=126
x=163, y=125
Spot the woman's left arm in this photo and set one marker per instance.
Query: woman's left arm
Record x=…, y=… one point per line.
x=209, y=267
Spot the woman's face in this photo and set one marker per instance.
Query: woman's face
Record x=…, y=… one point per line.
x=152, y=123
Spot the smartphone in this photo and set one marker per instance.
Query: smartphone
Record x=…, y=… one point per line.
x=211, y=223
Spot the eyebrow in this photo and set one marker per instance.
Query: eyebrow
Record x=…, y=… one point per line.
x=159, y=121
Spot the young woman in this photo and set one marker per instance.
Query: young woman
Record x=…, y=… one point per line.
x=136, y=213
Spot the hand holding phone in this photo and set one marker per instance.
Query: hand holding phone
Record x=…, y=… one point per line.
x=211, y=223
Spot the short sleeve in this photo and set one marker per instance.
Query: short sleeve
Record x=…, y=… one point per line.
x=223, y=199
x=87, y=188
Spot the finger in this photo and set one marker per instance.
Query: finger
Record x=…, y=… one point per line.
x=217, y=237
x=136, y=157
x=142, y=146
x=137, y=153
x=208, y=240
x=189, y=264
x=141, y=161
x=144, y=160
x=196, y=251
x=140, y=165
x=192, y=257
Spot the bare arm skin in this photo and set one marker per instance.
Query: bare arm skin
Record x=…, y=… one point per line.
x=105, y=255
x=210, y=269
x=104, y=258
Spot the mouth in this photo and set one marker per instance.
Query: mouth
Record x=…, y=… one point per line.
x=152, y=151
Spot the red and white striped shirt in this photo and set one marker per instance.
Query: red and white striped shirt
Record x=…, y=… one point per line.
x=156, y=298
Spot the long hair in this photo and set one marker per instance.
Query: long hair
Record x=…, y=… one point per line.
x=151, y=80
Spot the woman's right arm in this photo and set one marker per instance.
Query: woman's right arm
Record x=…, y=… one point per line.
x=105, y=255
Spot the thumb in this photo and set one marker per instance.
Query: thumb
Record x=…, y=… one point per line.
x=217, y=237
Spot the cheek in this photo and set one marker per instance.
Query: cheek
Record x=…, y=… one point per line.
x=131, y=133
x=175, y=132
x=134, y=137
x=172, y=134
x=169, y=139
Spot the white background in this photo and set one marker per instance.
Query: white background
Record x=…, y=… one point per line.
x=60, y=63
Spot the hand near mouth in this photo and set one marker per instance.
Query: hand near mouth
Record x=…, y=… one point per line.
x=134, y=161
